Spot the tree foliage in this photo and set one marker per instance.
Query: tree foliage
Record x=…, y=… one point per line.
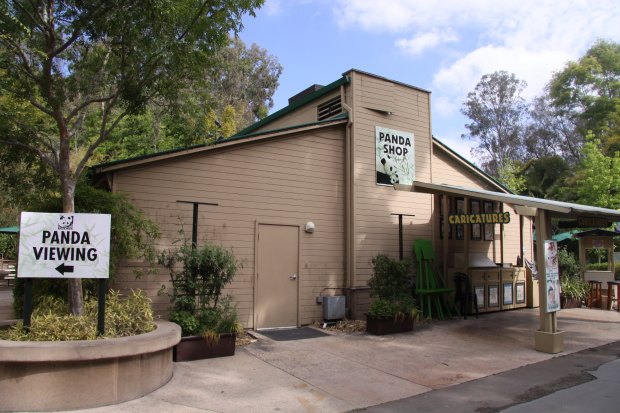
x=105, y=60
x=588, y=91
x=497, y=111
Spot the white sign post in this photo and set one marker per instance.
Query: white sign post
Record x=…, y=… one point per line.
x=64, y=246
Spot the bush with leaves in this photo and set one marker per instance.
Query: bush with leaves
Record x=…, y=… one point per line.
x=390, y=283
x=570, y=276
x=50, y=321
x=198, y=305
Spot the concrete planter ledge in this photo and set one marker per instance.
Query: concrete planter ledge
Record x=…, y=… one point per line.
x=67, y=375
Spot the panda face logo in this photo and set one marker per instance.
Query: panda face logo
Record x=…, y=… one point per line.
x=65, y=222
x=390, y=169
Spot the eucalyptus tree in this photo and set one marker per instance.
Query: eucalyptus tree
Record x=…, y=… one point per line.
x=497, y=112
x=69, y=58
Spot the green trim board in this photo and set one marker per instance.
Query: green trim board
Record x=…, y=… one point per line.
x=309, y=98
x=9, y=230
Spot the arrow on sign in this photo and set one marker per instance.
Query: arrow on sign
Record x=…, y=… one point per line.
x=62, y=268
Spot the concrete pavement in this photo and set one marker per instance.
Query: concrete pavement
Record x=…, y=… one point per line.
x=483, y=365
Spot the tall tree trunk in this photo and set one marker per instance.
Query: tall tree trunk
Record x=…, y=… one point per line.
x=67, y=187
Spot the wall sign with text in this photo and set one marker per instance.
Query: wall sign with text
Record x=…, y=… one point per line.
x=64, y=245
x=491, y=218
x=394, y=156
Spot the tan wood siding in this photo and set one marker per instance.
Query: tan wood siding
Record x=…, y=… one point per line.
x=286, y=180
x=376, y=228
x=300, y=116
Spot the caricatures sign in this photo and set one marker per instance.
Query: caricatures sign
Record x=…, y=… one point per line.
x=552, y=272
x=394, y=156
x=64, y=245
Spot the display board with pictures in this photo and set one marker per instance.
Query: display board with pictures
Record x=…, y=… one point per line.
x=479, y=291
x=489, y=229
x=552, y=276
x=493, y=296
x=520, y=288
x=507, y=294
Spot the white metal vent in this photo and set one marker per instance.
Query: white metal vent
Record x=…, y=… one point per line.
x=330, y=109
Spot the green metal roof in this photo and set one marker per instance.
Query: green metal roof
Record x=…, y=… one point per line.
x=298, y=103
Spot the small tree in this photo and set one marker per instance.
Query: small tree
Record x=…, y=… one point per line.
x=198, y=305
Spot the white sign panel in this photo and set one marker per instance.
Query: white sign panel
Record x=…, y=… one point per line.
x=552, y=271
x=394, y=156
x=64, y=245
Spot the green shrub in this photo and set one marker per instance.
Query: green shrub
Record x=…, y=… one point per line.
x=198, y=305
x=405, y=307
x=569, y=264
x=603, y=266
x=390, y=278
x=574, y=286
x=390, y=282
x=50, y=321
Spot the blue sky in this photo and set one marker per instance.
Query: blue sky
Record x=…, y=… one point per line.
x=442, y=46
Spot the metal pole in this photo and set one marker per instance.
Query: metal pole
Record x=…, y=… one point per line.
x=400, y=233
x=101, y=310
x=195, y=227
x=195, y=220
x=27, y=302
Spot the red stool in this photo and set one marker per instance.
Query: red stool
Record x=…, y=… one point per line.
x=611, y=294
x=594, y=299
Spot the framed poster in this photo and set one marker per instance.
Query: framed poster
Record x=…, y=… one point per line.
x=520, y=287
x=476, y=232
x=553, y=276
x=441, y=205
x=479, y=291
x=493, y=296
x=488, y=207
x=475, y=206
x=394, y=157
x=489, y=232
x=507, y=294
x=460, y=231
x=460, y=206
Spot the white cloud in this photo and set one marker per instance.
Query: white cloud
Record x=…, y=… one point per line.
x=428, y=40
x=531, y=38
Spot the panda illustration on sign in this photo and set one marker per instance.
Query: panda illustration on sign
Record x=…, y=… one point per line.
x=386, y=171
x=65, y=222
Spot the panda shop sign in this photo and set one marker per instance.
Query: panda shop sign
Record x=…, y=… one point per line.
x=64, y=245
x=394, y=156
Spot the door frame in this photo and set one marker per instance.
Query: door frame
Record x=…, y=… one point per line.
x=283, y=223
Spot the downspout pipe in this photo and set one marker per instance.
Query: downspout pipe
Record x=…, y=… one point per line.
x=349, y=207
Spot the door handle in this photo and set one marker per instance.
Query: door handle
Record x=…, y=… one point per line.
x=294, y=277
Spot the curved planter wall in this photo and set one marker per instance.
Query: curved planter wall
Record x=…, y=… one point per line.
x=67, y=375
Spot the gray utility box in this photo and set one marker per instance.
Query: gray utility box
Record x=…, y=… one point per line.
x=334, y=307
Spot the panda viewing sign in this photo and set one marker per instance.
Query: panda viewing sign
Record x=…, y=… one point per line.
x=394, y=157
x=64, y=245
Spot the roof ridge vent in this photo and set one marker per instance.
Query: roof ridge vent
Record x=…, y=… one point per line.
x=304, y=93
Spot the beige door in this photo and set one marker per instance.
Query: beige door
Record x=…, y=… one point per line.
x=277, y=276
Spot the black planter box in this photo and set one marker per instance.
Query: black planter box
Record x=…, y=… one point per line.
x=197, y=348
x=380, y=326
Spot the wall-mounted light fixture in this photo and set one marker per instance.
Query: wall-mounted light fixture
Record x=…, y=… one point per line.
x=310, y=227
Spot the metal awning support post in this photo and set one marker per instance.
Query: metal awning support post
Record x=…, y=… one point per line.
x=548, y=339
x=195, y=220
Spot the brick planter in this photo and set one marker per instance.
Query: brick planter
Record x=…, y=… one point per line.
x=381, y=326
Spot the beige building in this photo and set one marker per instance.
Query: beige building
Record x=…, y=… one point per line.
x=327, y=161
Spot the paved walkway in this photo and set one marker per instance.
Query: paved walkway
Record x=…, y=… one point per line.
x=483, y=365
